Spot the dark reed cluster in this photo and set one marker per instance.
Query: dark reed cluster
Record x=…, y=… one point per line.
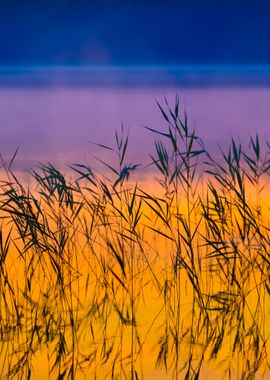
x=106, y=276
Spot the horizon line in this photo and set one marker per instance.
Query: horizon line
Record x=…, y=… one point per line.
x=181, y=68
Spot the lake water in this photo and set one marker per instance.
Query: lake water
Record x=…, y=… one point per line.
x=103, y=279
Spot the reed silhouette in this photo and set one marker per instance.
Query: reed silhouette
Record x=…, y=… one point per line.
x=105, y=277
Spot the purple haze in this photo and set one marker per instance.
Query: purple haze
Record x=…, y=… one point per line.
x=56, y=124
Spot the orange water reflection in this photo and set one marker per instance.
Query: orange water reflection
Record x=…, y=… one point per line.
x=100, y=281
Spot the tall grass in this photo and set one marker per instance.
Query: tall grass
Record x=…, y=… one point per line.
x=103, y=276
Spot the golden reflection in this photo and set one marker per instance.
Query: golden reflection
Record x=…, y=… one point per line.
x=97, y=285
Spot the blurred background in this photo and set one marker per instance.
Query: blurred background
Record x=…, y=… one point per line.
x=72, y=71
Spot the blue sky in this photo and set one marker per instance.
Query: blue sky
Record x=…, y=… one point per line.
x=134, y=33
